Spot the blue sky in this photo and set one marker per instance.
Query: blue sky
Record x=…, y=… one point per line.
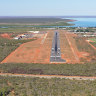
x=47, y=7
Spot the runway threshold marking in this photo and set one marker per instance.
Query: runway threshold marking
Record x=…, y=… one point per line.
x=55, y=50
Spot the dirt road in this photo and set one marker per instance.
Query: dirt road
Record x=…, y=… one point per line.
x=91, y=44
x=49, y=76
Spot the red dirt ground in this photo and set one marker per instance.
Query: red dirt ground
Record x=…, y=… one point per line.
x=6, y=35
x=39, y=51
x=69, y=49
x=32, y=52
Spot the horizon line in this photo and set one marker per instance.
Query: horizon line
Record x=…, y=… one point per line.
x=46, y=15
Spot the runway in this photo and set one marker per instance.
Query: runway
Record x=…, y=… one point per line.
x=55, y=51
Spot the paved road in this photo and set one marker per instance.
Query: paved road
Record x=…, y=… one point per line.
x=55, y=51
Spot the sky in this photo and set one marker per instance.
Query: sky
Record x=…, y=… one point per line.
x=47, y=7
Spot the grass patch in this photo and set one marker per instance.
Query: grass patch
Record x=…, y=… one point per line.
x=93, y=43
x=93, y=39
x=19, y=29
x=83, y=46
x=25, y=28
x=47, y=69
x=46, y=87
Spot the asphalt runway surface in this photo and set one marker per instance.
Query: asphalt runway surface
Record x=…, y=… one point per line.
x=55, y=51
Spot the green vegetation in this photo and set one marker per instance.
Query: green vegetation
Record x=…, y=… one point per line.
x=21, y=25
x=57, y=24
x=46, y=87
x=5, y=90
x=28, y=24
x=40, y=86
x=82, y=45
x=9, y=45
x=20, y=29
x=26, y=28
x=93, y=43
x=93, y=39
x=26, y=20
x=88, y=69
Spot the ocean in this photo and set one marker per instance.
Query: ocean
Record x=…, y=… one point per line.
x=83, y=22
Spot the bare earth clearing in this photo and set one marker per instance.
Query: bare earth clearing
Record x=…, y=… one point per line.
x=39, y=51
x=69, y=49
x=6, y=35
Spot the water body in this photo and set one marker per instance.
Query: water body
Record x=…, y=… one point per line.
x=83, y=22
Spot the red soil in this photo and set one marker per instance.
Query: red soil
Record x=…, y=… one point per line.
x=6, y=35
x=71, y=53
x=32, y=52
x=68, y=47
x=38, y=51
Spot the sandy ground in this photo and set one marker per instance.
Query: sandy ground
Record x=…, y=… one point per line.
x=43, y=53
x=49, y=76
x=37, y=51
